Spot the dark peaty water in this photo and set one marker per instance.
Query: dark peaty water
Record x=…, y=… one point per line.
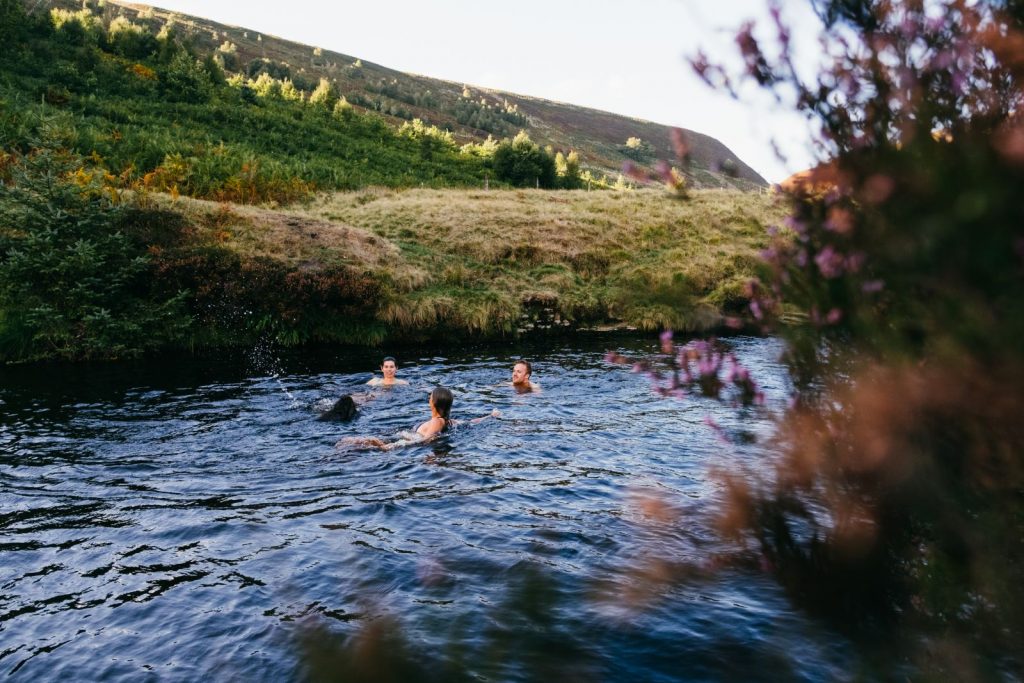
x=192, y=519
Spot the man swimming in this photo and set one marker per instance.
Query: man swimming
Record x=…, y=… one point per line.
x=388, y=368
x=521, y=373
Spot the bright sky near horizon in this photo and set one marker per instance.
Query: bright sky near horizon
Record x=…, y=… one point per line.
x=626, y=58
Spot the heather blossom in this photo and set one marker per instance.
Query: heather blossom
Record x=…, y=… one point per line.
x=894, y=502
x=698, y=367
x=830, y=262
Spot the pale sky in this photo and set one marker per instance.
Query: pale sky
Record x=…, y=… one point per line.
x=626, y=58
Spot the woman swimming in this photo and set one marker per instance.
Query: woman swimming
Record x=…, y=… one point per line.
x=440, y=402
x=343, y=410
x=389, y=370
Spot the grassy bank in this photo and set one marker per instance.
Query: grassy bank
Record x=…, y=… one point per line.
x=419, y=264
x=90, y=270
x=136, y=179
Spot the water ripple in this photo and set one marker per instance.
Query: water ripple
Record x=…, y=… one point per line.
x=183, y=521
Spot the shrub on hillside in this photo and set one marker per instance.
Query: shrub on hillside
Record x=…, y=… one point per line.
x=638, y=150
x=418, y=130
x=325, y=95
x=224, y=174
x=567, y=168
x=72, y=281
x=131, y=40
x=185, y=80
x=521, y=162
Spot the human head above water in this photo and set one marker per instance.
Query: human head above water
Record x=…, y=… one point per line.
x=388, y=366
x=442, y=399
x=344, y=409
x=521, y=372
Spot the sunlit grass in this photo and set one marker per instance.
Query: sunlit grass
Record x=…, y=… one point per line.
x=639, y=258
x=457, y=262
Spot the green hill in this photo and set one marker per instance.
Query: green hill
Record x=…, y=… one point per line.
x=470, y=113
x=116, y=126
x=150, y=110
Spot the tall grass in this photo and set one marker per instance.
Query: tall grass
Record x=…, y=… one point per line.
x=479, y=261
x=418, y=264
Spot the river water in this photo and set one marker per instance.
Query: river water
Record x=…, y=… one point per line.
x=185, y=519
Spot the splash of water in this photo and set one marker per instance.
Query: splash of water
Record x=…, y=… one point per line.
x=264, y=359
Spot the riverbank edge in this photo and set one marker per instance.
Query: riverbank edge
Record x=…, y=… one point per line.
x=397, y=267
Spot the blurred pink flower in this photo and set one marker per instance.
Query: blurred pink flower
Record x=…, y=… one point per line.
x=840, y=220
x=1009, y=143
x=830, y=262
x=871, y=286
x=878, y=188
x=635, y=172
x=680, y=144
x=855, y=261
x=755, y=310
x=666, y=341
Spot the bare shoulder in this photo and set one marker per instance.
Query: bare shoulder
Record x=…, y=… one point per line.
x=431, y=426
x=375, y=382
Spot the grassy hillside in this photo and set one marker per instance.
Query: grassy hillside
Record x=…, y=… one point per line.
x=88, y=269
x=452, y=263
x=115, y=136
x=146, y=110
x=469, y=112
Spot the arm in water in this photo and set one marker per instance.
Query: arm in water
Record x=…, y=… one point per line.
x=440, y=403
x=478, y=420
x=405, y=439
x=440, y=420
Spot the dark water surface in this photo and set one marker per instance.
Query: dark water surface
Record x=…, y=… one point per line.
x=188, y=519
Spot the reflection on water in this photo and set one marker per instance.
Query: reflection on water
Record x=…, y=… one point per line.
x=182, y=519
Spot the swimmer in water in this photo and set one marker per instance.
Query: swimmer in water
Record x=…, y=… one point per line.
x=521, y=373
x=440, y=403
x=343, y=410
x=388, y=368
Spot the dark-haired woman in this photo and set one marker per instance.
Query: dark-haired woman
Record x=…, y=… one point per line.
x=440, y=411
x=388, y=368
x=440, y=419
x=343, y=410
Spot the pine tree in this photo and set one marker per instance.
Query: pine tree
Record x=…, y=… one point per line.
x=267, y=86
x=290, y=93
x=560, y=165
